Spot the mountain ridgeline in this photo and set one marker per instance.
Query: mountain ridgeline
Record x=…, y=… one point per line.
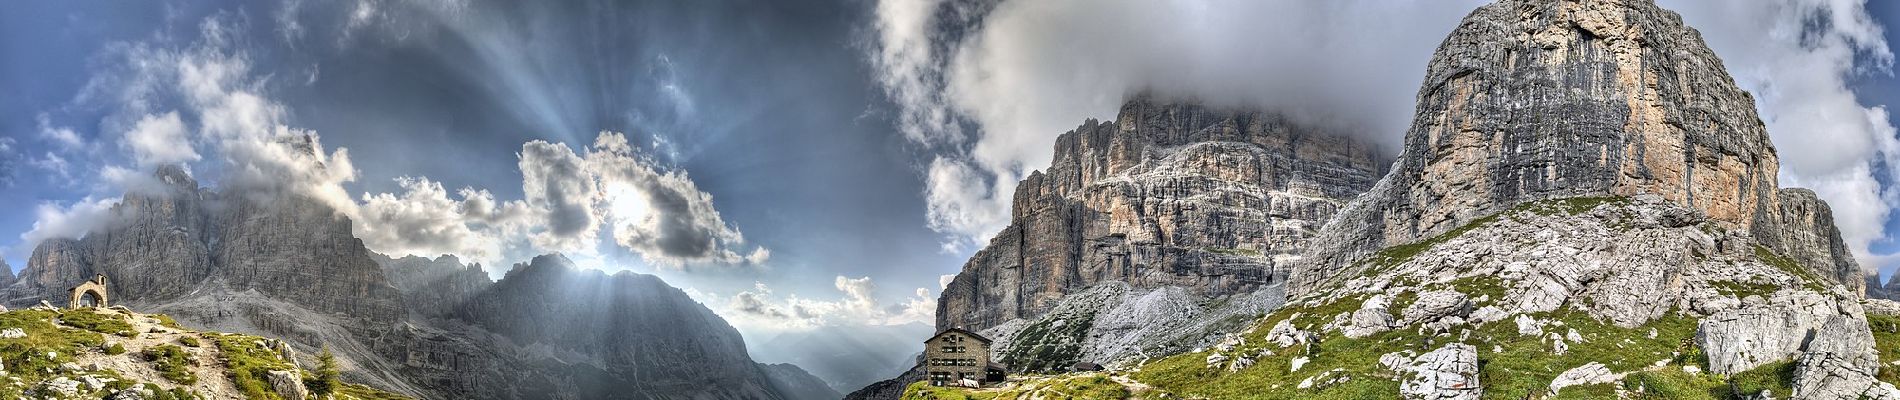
x=287, y=266
x=1585, y=206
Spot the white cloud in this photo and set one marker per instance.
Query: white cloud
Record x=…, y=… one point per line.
x=423, y=219
x=55, y=164
x=943, y=281
x=760, y=309
x=569, y=197
x=158, y=140
x=556, y=183
x=986, y=86
x=1030, y=70
x=662, y=214
x=64, y=136
x=70, y=221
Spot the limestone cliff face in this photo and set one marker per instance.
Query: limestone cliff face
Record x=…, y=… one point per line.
x=169, y=242
x=434, y=287
x=1169, y=194
x=1803, y=229
x=1538, y=99
x=6, y=273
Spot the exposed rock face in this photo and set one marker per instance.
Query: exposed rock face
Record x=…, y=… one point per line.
x=1803, y=229
x=288, y=267
x=434, y=288
x=166, y=244
x=1215, y=201
x=1448, y=373
x=1540, y=99
x=1626, y=263
x=593, y=335
x=6, y=274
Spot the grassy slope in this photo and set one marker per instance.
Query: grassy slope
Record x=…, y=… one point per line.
x=1512, y=366
x=37, y=357
x=1070, y=386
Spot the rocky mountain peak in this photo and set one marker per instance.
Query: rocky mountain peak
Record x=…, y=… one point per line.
x=1171, y=193
x=176, y=176
x=1540, y=99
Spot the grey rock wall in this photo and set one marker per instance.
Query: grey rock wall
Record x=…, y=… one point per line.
x=1539, y=99
x=1171, y=194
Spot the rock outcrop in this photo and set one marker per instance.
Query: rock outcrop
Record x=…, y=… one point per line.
x=6, y=274
x=434, y=287
x=165, y=243
x=284, y=265
x=1169, y=195
x=1448, y=373
x=616, y=334
x=1541, y=99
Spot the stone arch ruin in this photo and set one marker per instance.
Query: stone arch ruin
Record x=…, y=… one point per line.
x=92, y=293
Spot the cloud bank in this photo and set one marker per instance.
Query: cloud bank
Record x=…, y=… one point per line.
x=986, y=86
x=201, y=104
x=762, y=309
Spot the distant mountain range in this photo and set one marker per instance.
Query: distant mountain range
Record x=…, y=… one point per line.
x=283, y=265
x=848, y=357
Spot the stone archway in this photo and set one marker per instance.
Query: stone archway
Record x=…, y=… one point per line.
x=92, y=293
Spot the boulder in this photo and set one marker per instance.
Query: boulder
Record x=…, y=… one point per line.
x=288, y=384
x=1435, y=304
x=1451, y=372
x=1587, y=374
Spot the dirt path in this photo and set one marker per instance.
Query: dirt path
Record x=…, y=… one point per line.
x=210, y=369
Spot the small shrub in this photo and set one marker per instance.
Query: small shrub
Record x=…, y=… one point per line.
x=115, y=349
x=188, y=341
x=327, y=377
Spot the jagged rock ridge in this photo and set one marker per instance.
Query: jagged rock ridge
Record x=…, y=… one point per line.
x=1540, y=99
x=168, y=243
x=286, y=266
x=1175, y=194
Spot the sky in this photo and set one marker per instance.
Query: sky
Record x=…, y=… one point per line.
x=791, y=164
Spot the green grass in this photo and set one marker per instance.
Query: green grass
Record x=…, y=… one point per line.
x=921, y=390
x=115, y=349
x=1808, y=279
x=1583, y=392
x=111, y=323
x=1740, y=289
x=44, y=348
x=249, y=363
x=166, y=321
x=189, y=341
x=1085, y=386
x=1886, y=342
x=1674, y=383
x=1776, y=378
x=174, y=394
x=361, y=392
x=173, y=363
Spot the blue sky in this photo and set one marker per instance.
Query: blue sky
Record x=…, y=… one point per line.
x=867, y=146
